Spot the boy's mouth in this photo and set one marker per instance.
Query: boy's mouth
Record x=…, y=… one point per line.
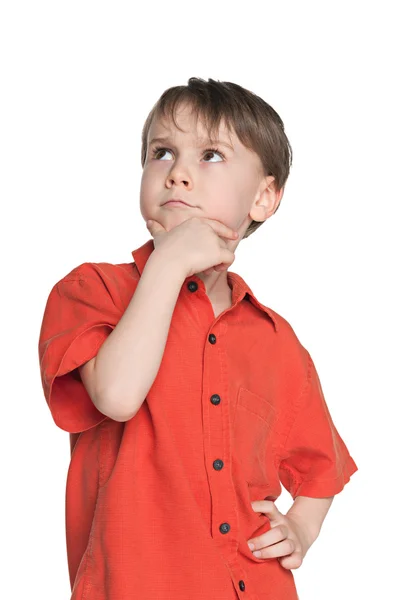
x=176, y=202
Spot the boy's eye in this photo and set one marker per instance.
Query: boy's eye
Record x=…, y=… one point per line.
x=158, y=149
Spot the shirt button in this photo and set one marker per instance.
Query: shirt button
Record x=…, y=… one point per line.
x=218, y=464
x=212, y=339
x=192, y=286
x=241, y=585
x=224, y=527
x=215, y=399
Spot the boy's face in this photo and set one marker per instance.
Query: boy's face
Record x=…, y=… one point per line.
x=229, y=188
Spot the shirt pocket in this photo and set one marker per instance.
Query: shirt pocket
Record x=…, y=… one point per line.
x=252, y=433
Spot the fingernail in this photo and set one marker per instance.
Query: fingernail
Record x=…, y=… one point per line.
x=149, y=222
x=251, y=546
x=257, y=553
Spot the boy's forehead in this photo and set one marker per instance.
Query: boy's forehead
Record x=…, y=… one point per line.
x=192, y=127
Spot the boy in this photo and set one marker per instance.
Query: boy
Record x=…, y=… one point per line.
x=188, y=402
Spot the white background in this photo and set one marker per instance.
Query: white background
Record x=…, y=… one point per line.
x=78, y=80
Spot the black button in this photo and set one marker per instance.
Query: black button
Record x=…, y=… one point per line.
x=241, y=585
x=215, y=399
x=218, y=464
x=192, y=286
x=224, y=528
x=212, y=339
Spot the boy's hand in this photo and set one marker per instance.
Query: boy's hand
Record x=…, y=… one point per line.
x=288, y=539
x=196, y=244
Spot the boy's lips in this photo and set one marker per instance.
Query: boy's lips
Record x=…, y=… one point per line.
x=177, y=202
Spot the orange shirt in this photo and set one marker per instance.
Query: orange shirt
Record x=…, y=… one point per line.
x=159, y=507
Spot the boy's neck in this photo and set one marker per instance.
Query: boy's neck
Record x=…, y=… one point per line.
x=217, y=288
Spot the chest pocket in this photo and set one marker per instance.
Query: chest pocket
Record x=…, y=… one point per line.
x=254, y=421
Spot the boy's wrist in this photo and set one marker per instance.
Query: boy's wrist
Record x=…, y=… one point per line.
x=309, y=533
x=174, y=267
x=309, y=514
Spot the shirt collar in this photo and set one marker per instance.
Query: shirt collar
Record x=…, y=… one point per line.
x=238, y=285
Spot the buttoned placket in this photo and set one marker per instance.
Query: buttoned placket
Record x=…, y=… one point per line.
x=217, y=440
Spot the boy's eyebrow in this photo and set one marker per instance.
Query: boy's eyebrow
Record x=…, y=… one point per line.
x=202, y=141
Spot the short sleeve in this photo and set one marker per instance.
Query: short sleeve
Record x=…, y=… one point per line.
x=79, y=315
x=315, y=461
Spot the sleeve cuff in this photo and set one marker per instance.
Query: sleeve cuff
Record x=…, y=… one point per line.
x=324, y=488
x=69, y=402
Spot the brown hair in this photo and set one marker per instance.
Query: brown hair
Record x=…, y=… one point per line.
x=257, y=125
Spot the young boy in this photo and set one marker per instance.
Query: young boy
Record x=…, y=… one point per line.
x=188, y=402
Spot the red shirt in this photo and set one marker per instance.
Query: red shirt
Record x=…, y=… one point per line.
x=159, y=507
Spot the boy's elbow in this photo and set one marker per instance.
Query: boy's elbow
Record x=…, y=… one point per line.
x=113, y=409
x=104, y=401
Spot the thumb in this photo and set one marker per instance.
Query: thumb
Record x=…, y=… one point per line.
x=267, y=507
x=154, y=226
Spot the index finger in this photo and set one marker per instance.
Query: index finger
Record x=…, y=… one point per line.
x=221, y=228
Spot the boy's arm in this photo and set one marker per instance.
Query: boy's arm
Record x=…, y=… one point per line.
x=129, y=359
x=310, y=513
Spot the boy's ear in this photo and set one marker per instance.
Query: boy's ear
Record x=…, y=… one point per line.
x=267, y=200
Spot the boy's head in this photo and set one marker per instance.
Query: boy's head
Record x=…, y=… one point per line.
x=238, y=185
